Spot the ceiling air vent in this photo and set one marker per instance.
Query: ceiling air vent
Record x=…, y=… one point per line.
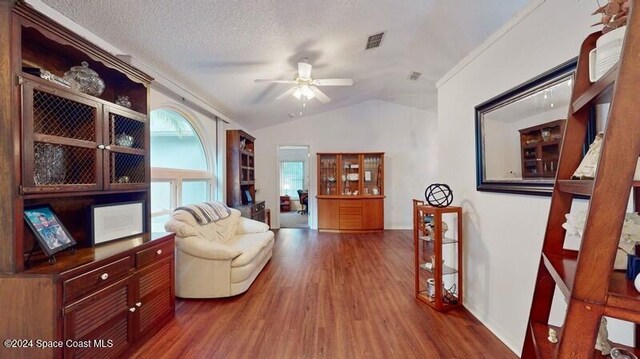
x=413, y=75
x=374, y=41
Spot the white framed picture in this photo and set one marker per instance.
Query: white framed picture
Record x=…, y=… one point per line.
x=116, y=220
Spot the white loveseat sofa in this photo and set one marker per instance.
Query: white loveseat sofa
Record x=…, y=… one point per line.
x=221, y=258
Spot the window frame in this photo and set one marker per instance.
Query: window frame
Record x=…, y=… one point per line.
x=176, y=177
x=295, y=197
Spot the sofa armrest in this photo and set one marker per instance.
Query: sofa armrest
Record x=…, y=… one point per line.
x=246, y=225
x=198, y=247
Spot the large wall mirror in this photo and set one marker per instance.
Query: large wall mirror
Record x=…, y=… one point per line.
x=519, y=134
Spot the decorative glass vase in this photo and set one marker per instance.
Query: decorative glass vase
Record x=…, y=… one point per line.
x=85, y=80
x=123, y=101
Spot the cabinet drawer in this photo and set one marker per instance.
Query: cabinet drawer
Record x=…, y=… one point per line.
x=350, y=211
x=353, y=203
x=151, y=255
x=258, y=207
x=97, y=278
x=350, y=221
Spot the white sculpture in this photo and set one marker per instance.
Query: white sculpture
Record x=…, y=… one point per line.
x=602, y=342
x=587, y=168
x=430, y=228
x=629, y=237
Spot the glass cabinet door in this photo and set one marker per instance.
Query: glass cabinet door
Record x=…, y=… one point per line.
x=373, y=174
x=61, y=137
x=350, y=174
x=328, y=174
x=125, y=160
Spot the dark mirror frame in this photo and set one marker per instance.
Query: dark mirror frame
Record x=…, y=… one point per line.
x=519, y=92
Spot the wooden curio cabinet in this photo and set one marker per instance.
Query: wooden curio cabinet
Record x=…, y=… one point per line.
x=71, y=151
x=351, y=192
x=437, y=239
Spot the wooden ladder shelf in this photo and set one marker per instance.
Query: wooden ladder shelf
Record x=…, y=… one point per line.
x=585, y=277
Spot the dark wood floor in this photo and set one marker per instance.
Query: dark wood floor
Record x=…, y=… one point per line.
x=326, y=296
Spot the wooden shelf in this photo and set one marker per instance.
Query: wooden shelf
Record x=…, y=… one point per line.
x=562, y=269
x=623, y=298
x=600, y=91
x=581, y=187
x=577, y=187
x=544, y=349
x=424, y=297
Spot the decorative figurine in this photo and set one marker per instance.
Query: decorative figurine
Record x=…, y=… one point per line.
x=629, y=237
x=602, y=343
x=587, y=168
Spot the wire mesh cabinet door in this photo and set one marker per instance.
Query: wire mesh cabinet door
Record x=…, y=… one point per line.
x=62, y=140
x=126, y=165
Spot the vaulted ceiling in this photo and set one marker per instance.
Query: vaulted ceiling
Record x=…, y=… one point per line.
x=217, y=48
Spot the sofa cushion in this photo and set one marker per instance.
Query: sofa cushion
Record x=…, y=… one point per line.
x=250, y=245
x=226, y=228
x=221, y=231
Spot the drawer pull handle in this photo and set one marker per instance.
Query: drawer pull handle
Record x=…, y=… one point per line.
x=139, y=304
x=159, y=252
x=132, y=309
x=101, y=147
x=104, y=276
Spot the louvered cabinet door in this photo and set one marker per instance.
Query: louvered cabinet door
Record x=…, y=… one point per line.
x=155, y=303
x=101, y=324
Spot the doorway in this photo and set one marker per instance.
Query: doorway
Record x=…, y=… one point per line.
x=293, y=186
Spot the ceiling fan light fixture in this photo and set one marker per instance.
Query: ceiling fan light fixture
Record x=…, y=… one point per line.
x=297, y=93
x=306, y=92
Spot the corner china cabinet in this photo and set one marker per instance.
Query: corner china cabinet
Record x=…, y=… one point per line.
x=71, y=150
x=351, y=192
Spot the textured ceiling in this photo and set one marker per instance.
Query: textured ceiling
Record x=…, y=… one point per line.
x=216, y=48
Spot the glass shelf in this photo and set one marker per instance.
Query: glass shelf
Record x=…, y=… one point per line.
x=445, y=269
x=444, y=240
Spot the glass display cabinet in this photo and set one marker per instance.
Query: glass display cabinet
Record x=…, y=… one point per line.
x=351, y=192
x=437, y=236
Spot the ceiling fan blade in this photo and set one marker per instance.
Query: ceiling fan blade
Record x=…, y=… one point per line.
x=320, y=95
x=304, y=70
x=288, y=93
x=275, y=81
x=332, y=82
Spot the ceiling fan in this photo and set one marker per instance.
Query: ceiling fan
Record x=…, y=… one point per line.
x=305, y=87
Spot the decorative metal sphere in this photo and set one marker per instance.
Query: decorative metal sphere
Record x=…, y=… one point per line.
x=438, y=195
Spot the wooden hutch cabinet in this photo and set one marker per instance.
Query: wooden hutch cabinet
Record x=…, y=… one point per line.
x=351, y=192
x=540, y=149
x=71, y=151
x=241, y=175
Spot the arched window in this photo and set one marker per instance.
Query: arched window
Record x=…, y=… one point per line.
x=179, y=168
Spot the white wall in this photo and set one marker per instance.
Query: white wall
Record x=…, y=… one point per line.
x=407, y=136
x=503, y=232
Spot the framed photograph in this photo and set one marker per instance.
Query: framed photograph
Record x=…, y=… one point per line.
x=247, y=194
x=52, y=236
x=116, y=220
